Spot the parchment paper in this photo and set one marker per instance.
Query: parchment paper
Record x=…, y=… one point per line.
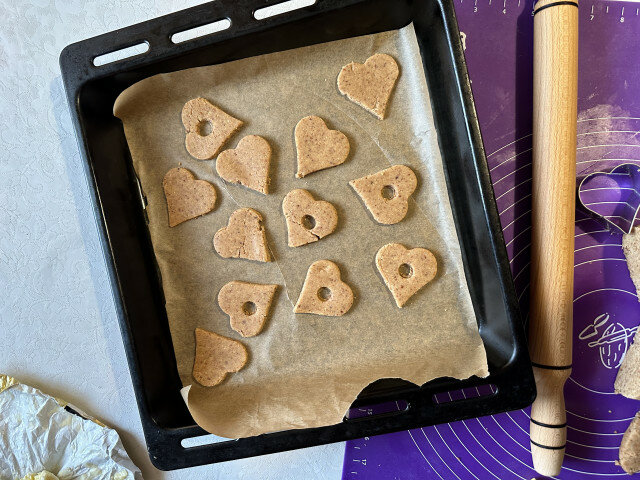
x=305, y=370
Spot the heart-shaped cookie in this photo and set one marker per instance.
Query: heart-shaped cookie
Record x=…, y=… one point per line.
x=243, y=237
x=318, y=147
x=308, y=220
x=386, y=193
x=247, y=305
x=187, y=197
x=216, y=356
x=208, y=128
x=370, y=85
x=614, y=196
x=323, y=292
x=247, y=164
x=405, y=271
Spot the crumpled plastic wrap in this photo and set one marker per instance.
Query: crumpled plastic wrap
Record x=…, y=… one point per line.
x=41, y=439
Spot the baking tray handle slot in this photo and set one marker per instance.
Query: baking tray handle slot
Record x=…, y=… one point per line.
x=280, y=8
x=120, y=54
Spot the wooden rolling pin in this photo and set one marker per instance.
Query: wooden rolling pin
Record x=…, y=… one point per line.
x=555, y=98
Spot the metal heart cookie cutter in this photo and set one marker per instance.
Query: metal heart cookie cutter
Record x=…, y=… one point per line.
x=613, y=196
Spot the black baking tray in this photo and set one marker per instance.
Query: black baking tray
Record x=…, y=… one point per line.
x=91, y=93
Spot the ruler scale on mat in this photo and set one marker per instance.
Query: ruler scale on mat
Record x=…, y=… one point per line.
x=498, y=45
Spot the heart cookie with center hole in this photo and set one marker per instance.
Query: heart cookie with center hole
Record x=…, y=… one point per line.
x=208, y=128
x=405, y=271
x=247, y=164
x=243, y=237
x=187, y=197
x=308, y=219
x=247, y=305
x=386, y=193
x=323, y=292
x=370, y=85
x=318, y=147
x=216, y=356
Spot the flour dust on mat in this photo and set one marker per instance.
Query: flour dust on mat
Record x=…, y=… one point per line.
x=304, y=370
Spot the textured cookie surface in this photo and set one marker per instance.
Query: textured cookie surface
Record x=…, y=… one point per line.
x=243, y=237
x=318, y=147
x=405, y=271
x=629, y=453
x=370, y=84
x=308, y=219
x=247, y=305
x=187, y=197
x=323, y=292
x=247, y=164
x=216, y=356
x=208, y=128
x=386, y=193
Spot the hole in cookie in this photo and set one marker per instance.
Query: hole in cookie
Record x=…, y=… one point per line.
x=249, y=308
x=324, y=294
x=388, y=192
x=405, y=270
x=308, y=222
x=204, y=128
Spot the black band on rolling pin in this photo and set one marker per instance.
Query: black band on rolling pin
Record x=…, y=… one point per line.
x=546, y=446
x=548, y=425
x=552, y=367
x=553, y=4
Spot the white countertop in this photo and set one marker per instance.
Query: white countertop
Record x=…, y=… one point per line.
x=58, y=327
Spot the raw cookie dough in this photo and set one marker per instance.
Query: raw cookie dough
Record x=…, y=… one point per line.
x=386, y=193
x=216, y=356
x=629, y=453
x=308, y=220
x=370, y=85
x=323, y=292
x=187, y=197
x=243, y=237
x=199, y=115
x=247, y=164
x=405, y=271
x=247, y=305
x=318, y=147
x=628, y=378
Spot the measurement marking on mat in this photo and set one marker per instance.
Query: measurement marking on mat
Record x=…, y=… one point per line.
x=607, y=10
x=358, y=448
x=592, y=9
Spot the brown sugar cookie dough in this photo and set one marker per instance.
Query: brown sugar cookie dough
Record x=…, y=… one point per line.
x=370, y=85
x=187, y=197
x=405, y=271
x=318, y=147
x=323, y=292
x=247, y=305
x=208, y=128
x=386, y=193
x=216, y=356
x=247, y=164
x=308, y=219
x=243, y=237
x=629, y=454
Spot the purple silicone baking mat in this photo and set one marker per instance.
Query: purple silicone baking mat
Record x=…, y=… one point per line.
x=497, y=36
